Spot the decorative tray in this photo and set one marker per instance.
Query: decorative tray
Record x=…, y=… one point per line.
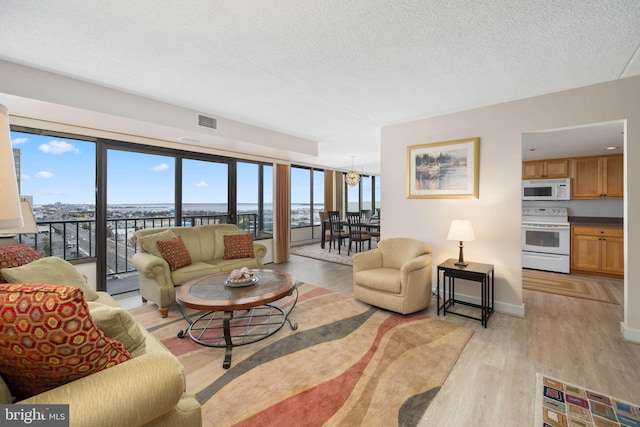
x=239, y=283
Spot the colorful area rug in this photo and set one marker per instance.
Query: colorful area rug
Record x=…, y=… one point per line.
x=316, y=252
x=560, y=404
x=347, y=364
x=571, y=285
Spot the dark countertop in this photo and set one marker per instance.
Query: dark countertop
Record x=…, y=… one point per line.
x=596, y=221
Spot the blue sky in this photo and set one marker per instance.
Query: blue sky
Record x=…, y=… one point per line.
x=63, y=170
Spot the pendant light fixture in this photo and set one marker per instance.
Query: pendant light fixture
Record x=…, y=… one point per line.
x=352, y=177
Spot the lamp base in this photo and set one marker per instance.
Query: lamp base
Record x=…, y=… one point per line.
x=460, y=262
x=8, y=239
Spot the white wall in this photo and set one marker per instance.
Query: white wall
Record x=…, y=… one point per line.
x=495, y=215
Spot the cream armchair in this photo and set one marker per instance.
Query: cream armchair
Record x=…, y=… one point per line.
x=395, y=276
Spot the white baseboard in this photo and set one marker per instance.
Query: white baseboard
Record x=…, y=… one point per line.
x=631, y=335
x=499, y=307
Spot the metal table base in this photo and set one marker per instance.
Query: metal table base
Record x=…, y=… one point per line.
x=228, y=329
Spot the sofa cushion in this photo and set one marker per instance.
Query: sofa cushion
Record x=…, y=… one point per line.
x=219, y=241
x=238, y=246
x=15, y=256
x=175, y=252
x=51, y=270
x=193, y=271
x=48, y=338
x=149, y=241
x=118, y=324
x=235, y=264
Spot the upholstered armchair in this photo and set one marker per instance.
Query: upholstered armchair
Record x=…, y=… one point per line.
x=395, y=276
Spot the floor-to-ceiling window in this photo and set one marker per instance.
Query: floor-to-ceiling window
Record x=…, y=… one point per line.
x=300, y=197
x=377, y=190
x=366, y=202
x=140, y=194
x=90, y=195
x=205, y=192
x=58, y=177
x=318, y=195
x=352, y=195
x=266, y=218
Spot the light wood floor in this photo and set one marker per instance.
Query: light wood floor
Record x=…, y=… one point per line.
x=493, y=383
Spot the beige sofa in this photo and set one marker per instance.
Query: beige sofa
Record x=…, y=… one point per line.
x=147, y=390
x=395, y=276
x=205, y=244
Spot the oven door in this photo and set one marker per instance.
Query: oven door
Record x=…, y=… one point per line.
x=548, y=239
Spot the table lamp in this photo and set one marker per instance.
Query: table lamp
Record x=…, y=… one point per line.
x=461, y=231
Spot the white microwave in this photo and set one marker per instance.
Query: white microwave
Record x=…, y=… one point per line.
x=546, y=189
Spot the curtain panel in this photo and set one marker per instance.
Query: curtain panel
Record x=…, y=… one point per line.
x=282, y=220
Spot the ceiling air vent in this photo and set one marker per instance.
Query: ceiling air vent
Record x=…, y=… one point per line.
x=208, y=122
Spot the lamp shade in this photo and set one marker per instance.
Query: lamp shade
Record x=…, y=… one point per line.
x=10, y=213
x=461, y=231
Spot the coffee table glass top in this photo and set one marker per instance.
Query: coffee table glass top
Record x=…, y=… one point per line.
x=210, y=292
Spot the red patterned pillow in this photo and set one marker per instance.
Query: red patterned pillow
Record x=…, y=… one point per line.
x=48, y=338
x=16, y=256
x=238, y=246
x=175, y=252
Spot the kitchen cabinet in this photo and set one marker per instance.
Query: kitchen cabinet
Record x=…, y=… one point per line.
x=597, y=177
x=597, y=250
x=551, y=168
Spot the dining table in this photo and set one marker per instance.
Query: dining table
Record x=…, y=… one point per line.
x=370, y=225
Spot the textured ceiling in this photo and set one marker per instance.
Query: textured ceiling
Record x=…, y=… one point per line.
x=332, y=71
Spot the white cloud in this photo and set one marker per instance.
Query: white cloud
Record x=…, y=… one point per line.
x=202, y=184
x=18, y=141
x=25, y=176
x=58, y=147
x=161, y=167
x=44, y=174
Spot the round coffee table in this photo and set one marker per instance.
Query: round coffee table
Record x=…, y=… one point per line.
x=236, y=314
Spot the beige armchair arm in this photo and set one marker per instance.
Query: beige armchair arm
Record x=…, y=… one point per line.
x=367, y=260
x=416, y=263
x=413, y=265
x=131, y=393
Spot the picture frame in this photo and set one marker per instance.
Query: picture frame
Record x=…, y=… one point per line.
x=446, y=169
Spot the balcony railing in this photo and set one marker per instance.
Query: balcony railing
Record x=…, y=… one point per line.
x=75, y=239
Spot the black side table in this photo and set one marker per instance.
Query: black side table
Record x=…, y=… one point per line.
x=482, y=273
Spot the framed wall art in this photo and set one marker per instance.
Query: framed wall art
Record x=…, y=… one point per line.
x=443, y=169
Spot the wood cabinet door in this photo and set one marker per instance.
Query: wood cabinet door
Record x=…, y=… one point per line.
x=613, y=176
x=612, y=255
x=532, y=170
x=587, y=179
x=557, y=168
x=585, y=252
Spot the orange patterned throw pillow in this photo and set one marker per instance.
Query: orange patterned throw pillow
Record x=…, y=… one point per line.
x=16, y=256
x=238, y=246
x=48, y=338
x=175, y=252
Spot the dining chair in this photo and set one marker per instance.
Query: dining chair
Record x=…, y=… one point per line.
x=357, y=231
x=365, y=215
x=336, y=231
